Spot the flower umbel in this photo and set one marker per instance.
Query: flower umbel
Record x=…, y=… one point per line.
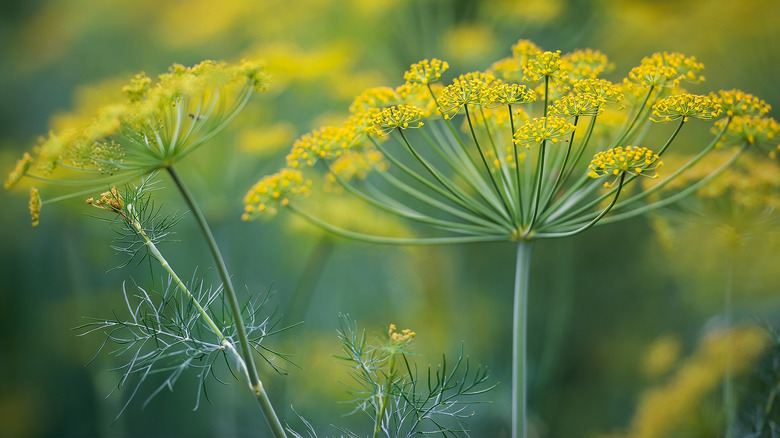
x=154, y=126
x=542, y=129
x=401, y=117
x=426, y=72
x=685, y=106
x=633, y=160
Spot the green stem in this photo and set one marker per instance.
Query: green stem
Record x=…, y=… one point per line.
x=384, y=398
x=519, y=344
x=395, y=240
x=592, y=222
x=729, y=396
x=255, y=383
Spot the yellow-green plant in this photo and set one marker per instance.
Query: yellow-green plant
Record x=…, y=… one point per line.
x=156, y=125
x=387, y=386
x=540, y=130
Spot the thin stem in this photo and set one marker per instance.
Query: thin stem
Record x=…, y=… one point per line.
x=592, y=222
x=395, y=240
x=246, y=352
x=517, y=164
x=729, y=395
x=519, y=344
x=538, y=194
x=384, y=398
x=487, y=166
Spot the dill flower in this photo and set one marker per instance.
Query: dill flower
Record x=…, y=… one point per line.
x=35, y=206
x=545, y=65
x=633, y=160
x=471, y=88
x=542, y=129
x=580, y=104
x=155, y=125
x=327, y=142
x=686, y=66
x=586, y=64
x=354, y=164
x=651, y=75
x=600, y=88
x=401, y=337
x=525, y=50
x=684, y=106
x=763, y=132
x=401, y=117
x=273, y=192
x=509, y=94
x=21, y=168
x=372, y=98
x=426, y=71
x=110, y=200
x=738, y=103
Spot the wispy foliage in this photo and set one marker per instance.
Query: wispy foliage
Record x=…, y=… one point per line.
x=402, y=401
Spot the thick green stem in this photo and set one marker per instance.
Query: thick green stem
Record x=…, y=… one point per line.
x=246, y=351
x=519, y=344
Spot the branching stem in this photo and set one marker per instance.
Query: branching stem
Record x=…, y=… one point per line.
x=255, y=383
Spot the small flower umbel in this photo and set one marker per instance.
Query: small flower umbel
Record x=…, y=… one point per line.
x=153, y=127
x=386, y=385
x=540, y=138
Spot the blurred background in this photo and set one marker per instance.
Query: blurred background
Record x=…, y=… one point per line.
x=614, y=312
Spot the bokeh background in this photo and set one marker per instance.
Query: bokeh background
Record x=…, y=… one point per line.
x=613, y=312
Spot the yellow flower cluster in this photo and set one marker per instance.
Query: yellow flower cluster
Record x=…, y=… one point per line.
x=580, y=104
x=426, y=72
x=326, y=143
x=685, y=106
x=633, y=160
x=155, y=123
x=524, y=50
x=586, y=64
x=110, y=200
x=545, y=64
x=686, y=66
x=401, y=117
x=274, y=191
x=601, y=88
x=739, y=103
x=470, y=88
x=760, y=131
x=21, y=168
x=373, y=98
x=354, y=164
x=651, y=75
x=404, y=336
x=35, y=206
x=542, y=129
x=509, y=94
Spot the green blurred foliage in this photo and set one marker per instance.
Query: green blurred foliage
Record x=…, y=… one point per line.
x=598, y=300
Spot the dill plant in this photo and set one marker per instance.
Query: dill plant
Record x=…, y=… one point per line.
x=157, y=124
x=518, y=152
x=386, y=385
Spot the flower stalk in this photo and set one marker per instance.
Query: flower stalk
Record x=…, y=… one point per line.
x=255, y=384
x=520, y=338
